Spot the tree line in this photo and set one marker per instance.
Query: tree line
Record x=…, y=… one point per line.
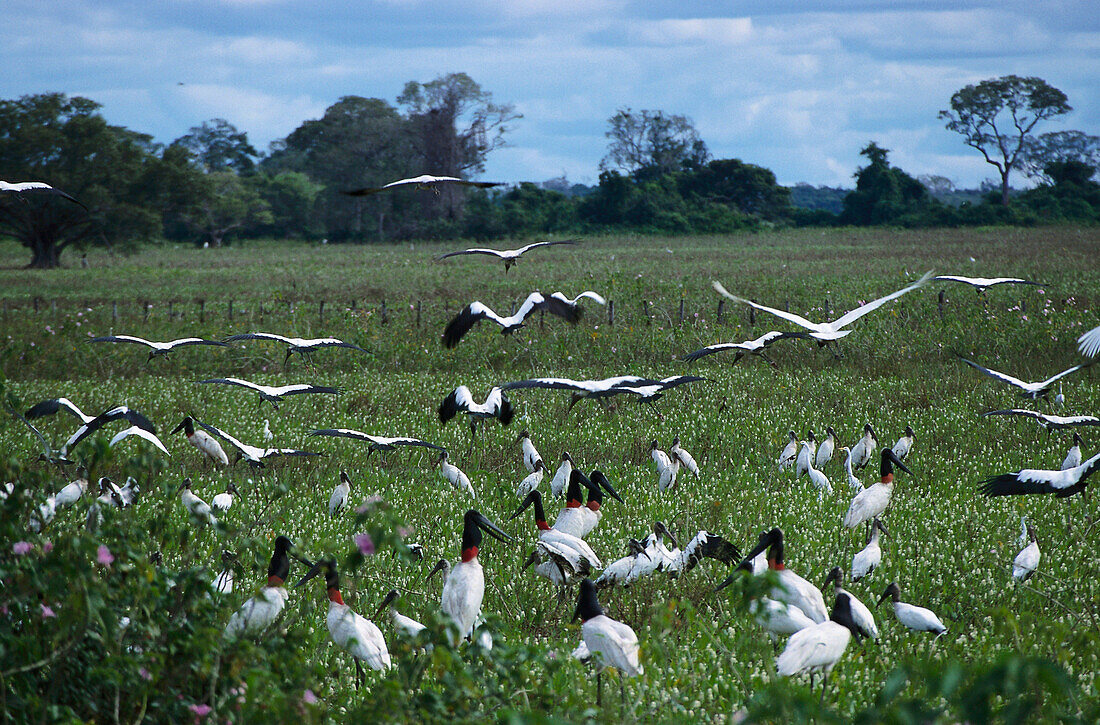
x=211, y=185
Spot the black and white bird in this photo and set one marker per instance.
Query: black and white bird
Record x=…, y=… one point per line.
x=703, y=545
x=195, y=506
x=530, y=453
x=224, y=500
x=915, y=618
x=299, y=345
x=508, y=256
x=223, y=582
x=406, y=626
x=158, y=348
x=579, y=518
x=454, y=475
x=905, y=444
x=206, y=444
x=19, y=188
x=864, y=450
x=556, y=304
x=791, y=588
x=424, y=181
x=338, y=501
x=870, y=556
x=824, y=452
x=1030, y=481
x=261, y=611
x=805, y=458
x=121, y=412
x=1027, y=561
x=274, y=393
x=680, y=457
x=377, y=443
x=531, y=481
x=825, y=332
x=614, y=644
x=820, y=647
x=667, y=471
x=460, y=400
x=981, y=284
x=118, y=496
x=861, y=615
x=139, y=432
x=350, y=631
x=817, y=478
x=872, y=501
x=1089, y=343
x=581, y=389
x=56, y=405
x=627, y=570
x=1027, y=390
x=1073, y=455
x=749, y=347
x=1050, y=422
x=253, y=454
x=561, y=557
x=790, y=452
x=464, y=587
x=853, y=481
x=561, y=476
x=71, y=492
x=651, y=391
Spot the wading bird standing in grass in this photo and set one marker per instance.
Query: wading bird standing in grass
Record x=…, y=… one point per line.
x=377, y=443
x=274, y=393
x=872, y=501
x=556, y=304
x=338, y=501
x=407, y=626
x=454, y=475
x=855, y=484
x=509, y=256
x=791, y=588
x=224, y=500
x=864, y=449
x=302, y=346
x=261, y=611
x=254, y=455
x=1027, y=561
x=71, y=492
x=560, y=557
x=704, y=545
x=460, y=400
x=591, y=513
x=1029, y=481
x=464, y=587
x=749, y=347
x=614, y=644
x=817, y=478
x=1027, y=390
x=981, y=284
x=424, y=181
x=905, y=444
x=1073, y=455
x=819, y=648
x=680, y=457
x=530, y=453
x=915, y=618
x=870, y=556
x=790, y=452
x=805, y=457
x=1050, y=422
x=825, y=332
x=122, y=412
x=666, y=470
x=861, y=615
x=1089, y=343
x=350, y=631
x=158, y=348
x=209, y=447
x=624, y=571
x=195, y=506
x=825, y=450
x=561, y=476
x=531, y=482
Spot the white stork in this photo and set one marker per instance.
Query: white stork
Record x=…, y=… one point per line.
x=556, y=304
x=561, y=476
x=870, y=556
x=531, y=482
x=460, y=400
x=1031, y=481
x=682, y=458
x=300, y=345
x=614, y=643
x=819, y=648
x=158, y=348
x=805, y=457
x=1027, y=390
x=915, y=618
x=749, y=347
x=195, y=506
x=981, y=284
x=861, y=615
x=508, y=256
x=224, y=501
x=377, y=443
x=667, y=471
x=407, y=626
x=905, y=444
x=1073, y=455
x=825, y=450
x=424, y=181
x=1027, y=561
x=791, y=588
x=253, y=454
x=864, y=449
x=790, y=452
x=274, y=393
x=338, y=501
x=530, y=453
x=825, y=332
x=1050, y=422
x=854, y=482
x=454, y=475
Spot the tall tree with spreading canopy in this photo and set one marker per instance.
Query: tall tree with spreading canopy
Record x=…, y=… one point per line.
x=997, y=117
x=66, y=143
x=455, y=125
x=218, y=146
x=648, y=144
x=1060, y=147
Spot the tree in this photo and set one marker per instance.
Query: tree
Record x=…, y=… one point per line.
x=883, y=193
x=997, y=116
x=455, y=124
x=230, y=203
x=751, y=189
x=219, y=146
x=65, y=142
x=650, y=144
x=1060, y=147
x=291, y=197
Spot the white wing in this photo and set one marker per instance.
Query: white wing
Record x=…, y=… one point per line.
x=850, y=317
x=789, y=316
x=1089, y=343
x=141, y=433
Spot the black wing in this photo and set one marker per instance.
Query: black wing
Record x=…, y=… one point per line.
x=470, y=315
x=449, y=408
x=715, y=547
x=120, y=413
x=50, y=407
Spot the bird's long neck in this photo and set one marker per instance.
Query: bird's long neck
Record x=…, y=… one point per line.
x=469, y=554
x=540, y=516
x=334, y=596
x=775, y=556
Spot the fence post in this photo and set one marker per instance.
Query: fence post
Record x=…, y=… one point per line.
x=721, y=304
x=611, y=312
x=385, y=315
x=36, y=305
x=418, y=304
x=321, y=312
x=645, y=311
x=146, y=306
x=939, y=303
x=828, y=310
x=752, y=316
x=114, y=312
x=681, y=310
x=230, y=310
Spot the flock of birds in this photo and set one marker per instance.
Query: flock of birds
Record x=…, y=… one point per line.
x=793, y=607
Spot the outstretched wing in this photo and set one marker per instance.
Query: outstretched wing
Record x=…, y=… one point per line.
x=258, y=336
x=850, y=317
x=461, y=323
x=1003, y=377
x=1063, y=374
x=474, y=250
x=119, y=413
x=140, y=433
x=789, y=316
x=224, y=436
x=122, y=338
x=186, y=341
x=232, y=381
x=1089, y=343
x=52, y=406
x=1035, y=481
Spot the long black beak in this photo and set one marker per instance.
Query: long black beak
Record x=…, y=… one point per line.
x=492, y=529
x=387, y=601
x=660, y=528
x=314, y=570
x=530, y=560
x=180, y=427
x=728, y=580
x=896, y=461
x=526, y=503
x=601, y=480
x=440, y=565
x=746, y=563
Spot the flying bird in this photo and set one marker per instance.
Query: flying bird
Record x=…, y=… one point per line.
x=981, y=284
x=1050, y=422
x=253, y=454
x=55, y=405
x=556, y=304
x=461, y=400
x=122, y=412
x=825, y=332
x=140, y=433
x=35, y=187
x=424, y=181
x=1032, y=480
x=1089, y=343
x=302, y=346
x=377, y=443
x=749, y=347
x=509, y=256
x=595, y=389
x=1027, y=390
x=158, y=348
x=273, y=394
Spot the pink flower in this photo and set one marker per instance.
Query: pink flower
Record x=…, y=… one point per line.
x=22, y=548
x=104, y=556
x=47, y=612
x=365, y=544
x=309, y=698
x=145, y=675
x=200, y=711
x=47, y=547
x=403, y=532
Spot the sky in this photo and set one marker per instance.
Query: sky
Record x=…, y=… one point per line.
x=797, y=86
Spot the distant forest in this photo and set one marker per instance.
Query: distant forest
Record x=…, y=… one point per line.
x=211, y=186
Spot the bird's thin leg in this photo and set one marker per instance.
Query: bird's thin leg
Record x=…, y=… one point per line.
x=824, y=686
x=768, y=360
x=360, y=676
x=811, y=681
x=599, y=688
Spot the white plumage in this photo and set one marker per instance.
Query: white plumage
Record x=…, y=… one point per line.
x=357, y=635
x=870, y=556
x=530, y=453
x=454, y=475
x=805, y=457
x=1027, y=561
x=71, y=492
x=861, y=615
x=613, y=643
x=683, y=458
x=195, y=506
x=338, y=501
x=203, y=441
x=825, y=450
x=787, y=456
x=532, y=480
x=864, y=449
x=258, y=613
x=1073, y=455
x=561, y=476
x=667, y=471
x=1089, y=343
x=817, y=478
x=778, y=618
x=915, y=618
x=854, y=483
x=223, y=501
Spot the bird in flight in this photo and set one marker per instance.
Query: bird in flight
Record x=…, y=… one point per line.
x=1027, y=390
x=749, y=347
x=424, y=181
x=1050, y=422
x=302, y=346
x=556, y=304
x=825, y=332
x=981, y=284
x=510, y=256
x=33, y=187
x=158, y=348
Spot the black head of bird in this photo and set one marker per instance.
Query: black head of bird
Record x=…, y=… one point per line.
x=328, y=566
x=597, y=484
x=573, y=488
x=345, y=478
x=1031, y=533
x=842, y=615
x=810, y=436
x=228, y=557
x=889, y=460
x=532, y=498
x=1077, y=439
x=675, y=441
x=877, y=524
x=772, y=541
x=660, y=529
x=893, y=591
x=232, y=488
x=522, y=435
x=442, y=566
x=390, y=598
x=185, y=485
x=871, y=432
x=473, y=523
x=829, y=431
x=187, y=425
x=909, y=431
x=566, y=457
x=836, y=576
x=588, y=604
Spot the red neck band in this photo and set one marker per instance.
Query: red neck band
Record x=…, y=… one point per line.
x=468, y=554
x=334, y=596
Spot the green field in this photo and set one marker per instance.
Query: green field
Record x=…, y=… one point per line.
x=704, y=656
